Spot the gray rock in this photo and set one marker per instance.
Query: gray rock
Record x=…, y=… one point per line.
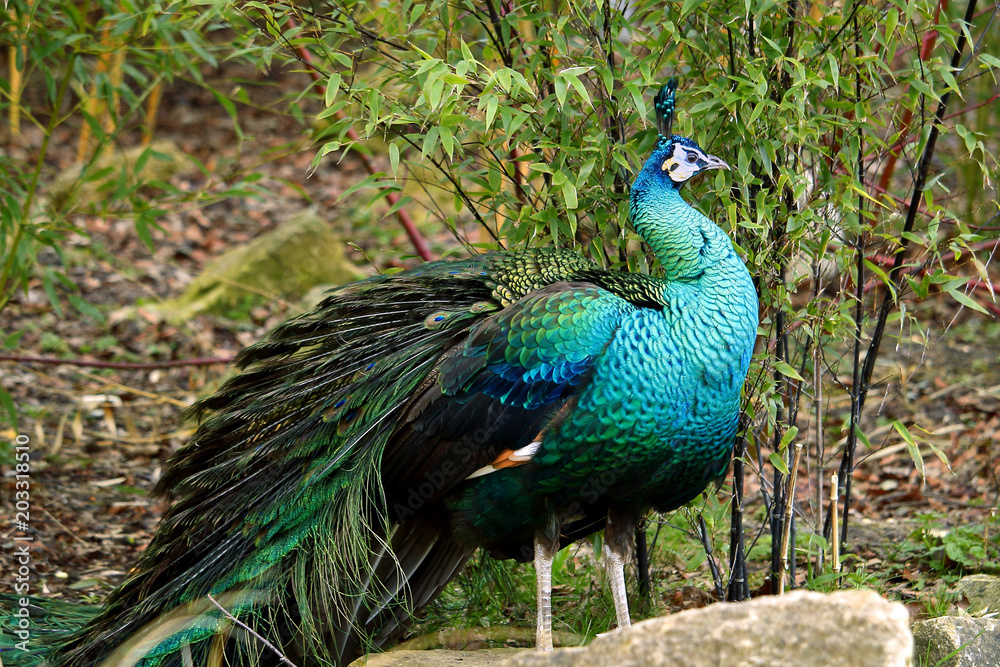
x=285, y=263
x=957, y=641
x=983, y=593
x=843, y=629
x=440, y=658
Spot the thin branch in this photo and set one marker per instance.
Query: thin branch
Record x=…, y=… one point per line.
x=739, y=587
x=720, y=591
x=642, y=560
x=233, y=619
x=120, y=365
x=496, y=36
x=458, y=190
x=857, y=395
x=616, y=124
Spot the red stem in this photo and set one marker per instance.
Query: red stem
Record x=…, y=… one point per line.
x=419, y=244
x=926, y=46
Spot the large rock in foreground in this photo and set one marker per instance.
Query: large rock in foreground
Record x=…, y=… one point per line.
x=844, y=629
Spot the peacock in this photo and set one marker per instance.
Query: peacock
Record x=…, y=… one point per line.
x=514, y=402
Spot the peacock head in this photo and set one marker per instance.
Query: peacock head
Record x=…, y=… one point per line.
x=678, y=159
x=675, y=160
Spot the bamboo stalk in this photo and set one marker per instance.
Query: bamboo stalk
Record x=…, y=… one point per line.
x=117, y=76
x=152, y=108
x=16, y=77
x=787, y=525
x=15, y=91
x=834, y=531
x=896, y=276
x=93, y=106
x=820, y=444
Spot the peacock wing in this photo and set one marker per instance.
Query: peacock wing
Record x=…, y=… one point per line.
x=501, y=386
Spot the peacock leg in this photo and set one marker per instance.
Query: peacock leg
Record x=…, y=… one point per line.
x=546, y=546
x=618, y=534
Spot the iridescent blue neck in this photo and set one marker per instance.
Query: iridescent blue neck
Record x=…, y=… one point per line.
x=675, y=232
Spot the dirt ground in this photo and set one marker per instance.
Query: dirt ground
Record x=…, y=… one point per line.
x=94, y=463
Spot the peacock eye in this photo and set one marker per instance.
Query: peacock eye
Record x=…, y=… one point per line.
x=692, y=158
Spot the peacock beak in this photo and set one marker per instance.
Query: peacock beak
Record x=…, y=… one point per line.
x=715, y=163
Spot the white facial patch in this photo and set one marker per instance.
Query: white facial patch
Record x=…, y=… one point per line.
x=683, y=164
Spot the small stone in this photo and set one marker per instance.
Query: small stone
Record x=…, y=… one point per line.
x=975, y=642
x=983, y=593
x=285, y=263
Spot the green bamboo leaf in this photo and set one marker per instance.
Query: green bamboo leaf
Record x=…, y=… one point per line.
x=541, y=167
x=967, y=301
x=447, y=141
x=492, y=104
x=569, y=194
x=85, y=307
x=581, y=89
x=503, y=77
x=788, y=437
x=778, y=463
x=50, y=291
x=368, y=182
x=560, y=85
x=911, y=446
x=940, y=454
x=467, y=53
x=862, y=437
x=787, y=370
x=689, y=6
x=332, y=86
x=891, y=21
x=697, y=559
x=8, y=403
x=400, y=203
x=394, y=159
x=638, y=99
x=454, y=79
x=197, y=45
